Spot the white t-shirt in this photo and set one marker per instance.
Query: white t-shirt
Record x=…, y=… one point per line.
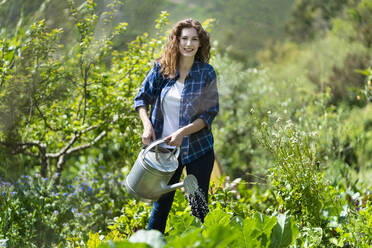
x=171, y=109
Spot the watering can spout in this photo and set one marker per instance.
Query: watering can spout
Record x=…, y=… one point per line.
x=189, y=183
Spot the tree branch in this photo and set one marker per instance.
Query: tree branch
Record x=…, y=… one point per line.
x=63, y=151
x=43, y=117
x=24, y=145
x=72, y=141
x=100, y=136
x=86, y=72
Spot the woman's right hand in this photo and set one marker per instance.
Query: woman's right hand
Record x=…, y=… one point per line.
x=148, y=134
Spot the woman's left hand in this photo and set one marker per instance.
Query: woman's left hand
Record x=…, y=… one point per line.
x=175, y=139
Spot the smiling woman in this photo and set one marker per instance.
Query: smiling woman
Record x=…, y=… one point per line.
x=182, y=91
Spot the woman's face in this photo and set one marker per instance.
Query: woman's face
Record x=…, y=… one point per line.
x=189, y=42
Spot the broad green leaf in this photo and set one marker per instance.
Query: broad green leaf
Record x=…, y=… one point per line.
x=246, y=239
x=284, y=232
x=219, y=236
x=192, y=238
x=217, y=216
x=264, y=226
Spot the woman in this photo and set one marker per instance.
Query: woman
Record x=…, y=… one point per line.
x=182, y=91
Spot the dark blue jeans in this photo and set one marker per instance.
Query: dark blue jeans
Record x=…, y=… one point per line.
x=201, y=169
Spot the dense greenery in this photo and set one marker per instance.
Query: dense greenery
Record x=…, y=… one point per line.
x=294, y=134
x=265, y=19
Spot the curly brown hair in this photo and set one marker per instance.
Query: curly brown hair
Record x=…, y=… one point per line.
x=170, y=58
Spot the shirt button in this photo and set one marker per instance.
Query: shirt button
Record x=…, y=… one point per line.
x=185, y=153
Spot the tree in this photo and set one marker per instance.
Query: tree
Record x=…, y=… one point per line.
x=60, y=100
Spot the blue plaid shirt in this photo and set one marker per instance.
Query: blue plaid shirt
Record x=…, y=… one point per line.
x=199, y=99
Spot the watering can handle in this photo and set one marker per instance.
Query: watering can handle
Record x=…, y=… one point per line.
x=176, y=151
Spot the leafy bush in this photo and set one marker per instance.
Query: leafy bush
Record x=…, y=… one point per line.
x=295, y=176
x=221, y=230
x=36, y=213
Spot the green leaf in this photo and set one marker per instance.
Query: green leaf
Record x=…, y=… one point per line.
x=264, y=225
x=186, y=239
x=247, y=232
x=284, y=232
x=123, y=244
x=180, y=222
x=218, y=217
x=220, y=236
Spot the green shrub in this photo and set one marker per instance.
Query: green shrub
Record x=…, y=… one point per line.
x=36, y=213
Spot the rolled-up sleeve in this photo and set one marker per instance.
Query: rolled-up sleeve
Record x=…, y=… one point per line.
x=209, y=100
x=147, y=93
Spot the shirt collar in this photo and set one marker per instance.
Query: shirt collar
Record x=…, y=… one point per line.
x=194, y=68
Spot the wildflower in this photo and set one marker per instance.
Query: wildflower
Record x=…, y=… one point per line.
x=56, y=212
x=65, y=194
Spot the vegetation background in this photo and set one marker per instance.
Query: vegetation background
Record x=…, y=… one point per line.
x=294, y=133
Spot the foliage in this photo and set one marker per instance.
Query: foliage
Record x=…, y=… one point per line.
x=305, y=162
x=302, y=194
x=220, y=230
x=59, y=102
x=366, y=93
x=311, y=18
x=242, y=27
x=262, y=90
x=362, y=22
x=36, y=213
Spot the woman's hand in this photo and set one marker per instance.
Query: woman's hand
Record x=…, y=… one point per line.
x=148, y=134
x=175, y=139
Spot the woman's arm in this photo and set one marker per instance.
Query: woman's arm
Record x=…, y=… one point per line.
x=175, y=139
x=148, y=130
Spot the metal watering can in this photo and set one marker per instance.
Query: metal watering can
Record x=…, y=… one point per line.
x=149, y=177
